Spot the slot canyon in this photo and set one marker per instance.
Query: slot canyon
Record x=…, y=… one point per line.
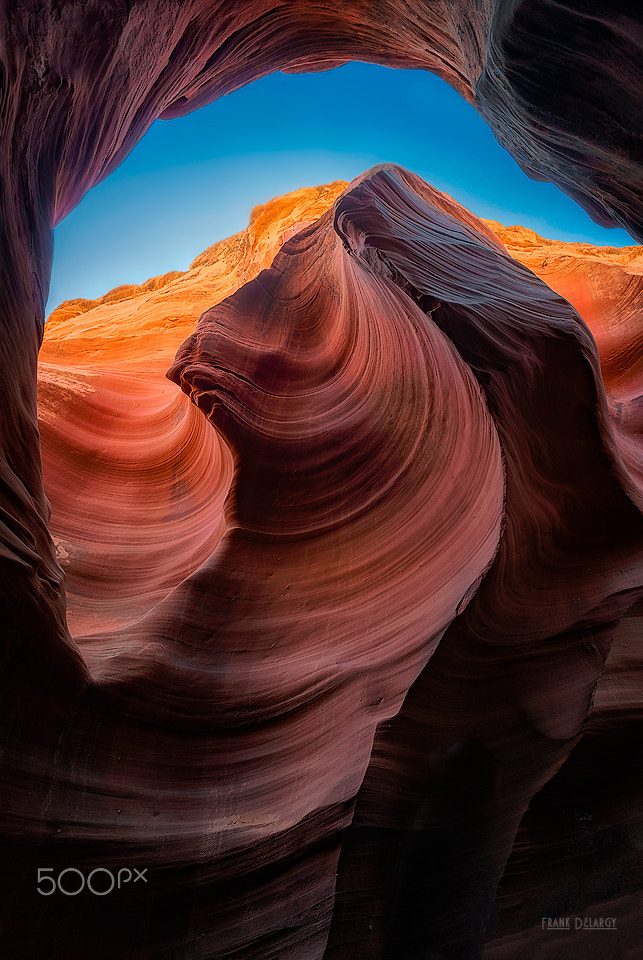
x=321, y=569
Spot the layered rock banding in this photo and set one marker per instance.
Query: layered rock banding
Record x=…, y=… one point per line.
x=150, y=465
x=397, y=639
x=390, y=638
x=84, y=81
x=605, y=285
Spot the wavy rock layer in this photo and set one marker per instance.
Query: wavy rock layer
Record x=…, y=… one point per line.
x=139, y=328
x=231, y=727
x=528, y=650
x=135, y=476
x=582, y=831
x=83, y=81
x=605, y=285
x=429, y=543
x=185, y=742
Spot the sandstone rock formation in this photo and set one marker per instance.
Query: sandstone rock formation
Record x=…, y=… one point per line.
x=605, y=285
x=135, y=476
x=378, y=632
x=83, y=81
x=432, y=536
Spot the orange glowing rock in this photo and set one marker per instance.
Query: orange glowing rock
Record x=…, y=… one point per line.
x=346, y=612
x=135, y=476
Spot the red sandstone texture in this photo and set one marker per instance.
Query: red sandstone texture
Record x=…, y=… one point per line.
x=111, y=355
x=135, y=476
x=82, y=82
x=605, y=285
x=378, y=632
x=431, y=544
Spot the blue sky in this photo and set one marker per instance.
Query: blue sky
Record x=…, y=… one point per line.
x=192, y=181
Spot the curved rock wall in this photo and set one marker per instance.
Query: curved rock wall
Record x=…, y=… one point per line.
x=135, y=476
x=83, y=81
x=388, y=635
x=431, y=539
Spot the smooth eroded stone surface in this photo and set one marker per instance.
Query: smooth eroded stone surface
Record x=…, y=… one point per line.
x=408, y=540
x=83, y=81
x=356, y=527
x=431, y=539
x=445, y=790
x=135, y=476
x=605, y=285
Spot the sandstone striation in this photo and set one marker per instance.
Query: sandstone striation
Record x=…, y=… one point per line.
x=317, y=706
x=135, y=477
x=605, y=285
x=82, y=82
x=395, y=623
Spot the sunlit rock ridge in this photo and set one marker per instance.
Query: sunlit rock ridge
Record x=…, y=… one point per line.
x=345, y=613
x=104, y=361
x=155, y=476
